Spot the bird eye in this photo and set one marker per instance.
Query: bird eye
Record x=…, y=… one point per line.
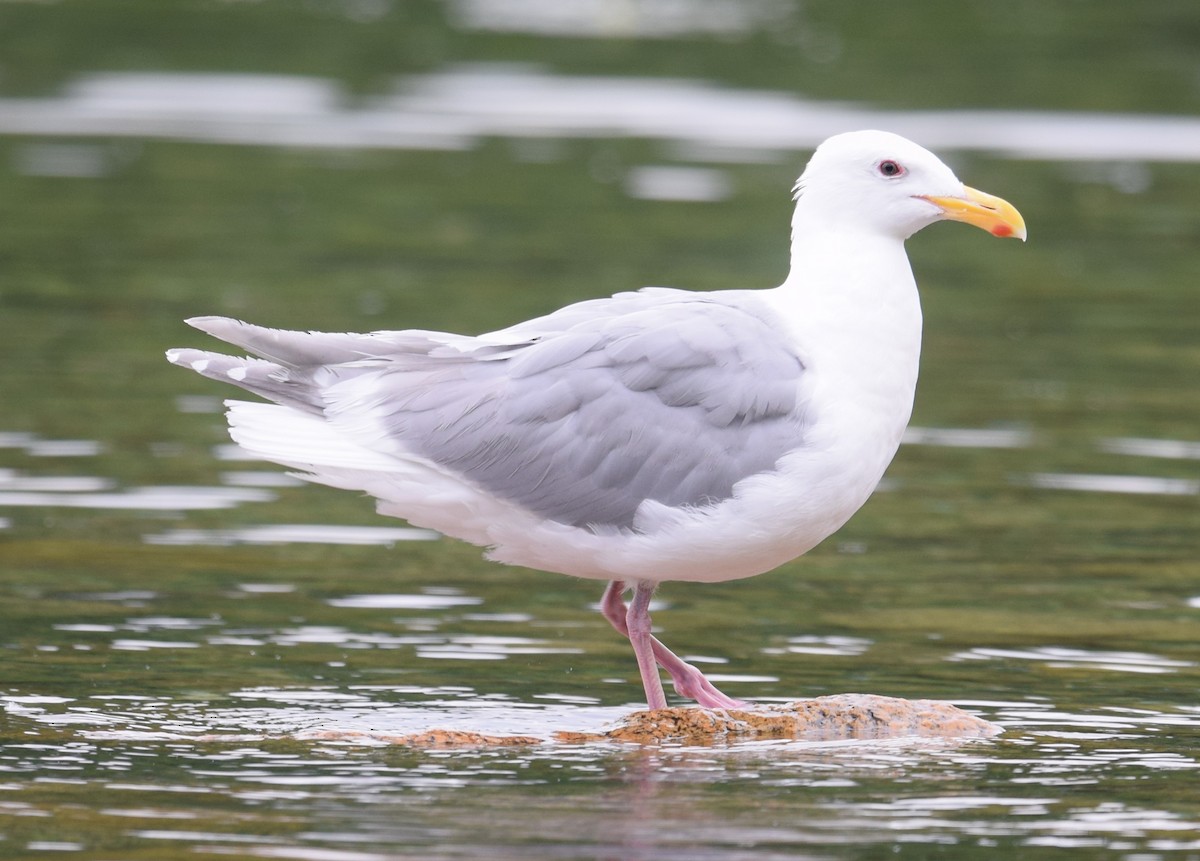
x=890, y=168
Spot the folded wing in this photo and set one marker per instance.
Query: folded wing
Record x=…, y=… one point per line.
x=580, y=416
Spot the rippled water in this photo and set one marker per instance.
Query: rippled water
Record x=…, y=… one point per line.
x=218, y=779
x=200, y=655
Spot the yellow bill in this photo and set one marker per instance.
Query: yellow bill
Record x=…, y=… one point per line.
x=993, y=214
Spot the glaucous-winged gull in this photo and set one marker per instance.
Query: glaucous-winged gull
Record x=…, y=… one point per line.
x=654, y=435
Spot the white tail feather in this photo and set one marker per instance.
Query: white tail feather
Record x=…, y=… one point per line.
x=300, y=440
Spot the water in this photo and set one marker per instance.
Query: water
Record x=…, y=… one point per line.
x=202, y=656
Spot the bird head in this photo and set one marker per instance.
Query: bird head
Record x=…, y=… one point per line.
x=880, y=182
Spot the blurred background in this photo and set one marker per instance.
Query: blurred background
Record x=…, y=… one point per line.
x=466, y=164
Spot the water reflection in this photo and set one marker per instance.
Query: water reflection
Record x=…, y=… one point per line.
x=456, y=108
x=440, y=601
x=36, y=447
x=810, y=644
x=11, y=480
x=1064, y=658
x=308, y=533
x=64, y=160
x=142, y=498
x=665, y=182
x=198, y=404
x=1141, y=447
x=638, y=19
x=1137, y=484
x=969, y=437
x=419, y=634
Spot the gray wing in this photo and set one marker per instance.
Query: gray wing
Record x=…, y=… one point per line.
x=579, y=416
x=672, y=396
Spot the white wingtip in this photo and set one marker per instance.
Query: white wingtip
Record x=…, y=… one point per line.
x=209, y=323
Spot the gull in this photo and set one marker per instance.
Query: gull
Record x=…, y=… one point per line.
x=651, y=436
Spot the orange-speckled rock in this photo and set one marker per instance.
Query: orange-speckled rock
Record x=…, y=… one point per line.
x=842, y=716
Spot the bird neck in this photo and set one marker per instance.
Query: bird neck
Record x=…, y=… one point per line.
x=851, y=305
x=857, y=266
x=851, y=297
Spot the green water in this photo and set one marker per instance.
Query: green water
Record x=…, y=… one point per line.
x=160, y=671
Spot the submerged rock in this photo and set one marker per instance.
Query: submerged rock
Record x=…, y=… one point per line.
x=830, y=718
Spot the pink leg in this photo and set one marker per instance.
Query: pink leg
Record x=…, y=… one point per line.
x=637, y=623
x=688, y=681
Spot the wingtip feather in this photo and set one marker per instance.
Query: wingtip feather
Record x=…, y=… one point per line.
x=208, y=323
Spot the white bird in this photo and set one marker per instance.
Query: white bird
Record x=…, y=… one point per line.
x=650, y=436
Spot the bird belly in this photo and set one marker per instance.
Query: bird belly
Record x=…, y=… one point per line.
x=772, y=517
